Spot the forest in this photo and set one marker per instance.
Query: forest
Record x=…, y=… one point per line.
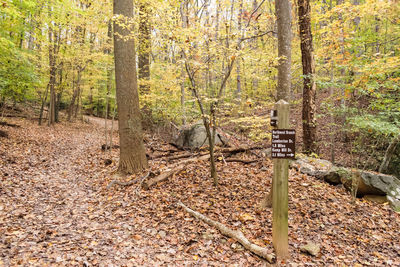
x=149, y=133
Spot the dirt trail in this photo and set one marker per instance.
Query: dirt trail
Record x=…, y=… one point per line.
x=51, y=210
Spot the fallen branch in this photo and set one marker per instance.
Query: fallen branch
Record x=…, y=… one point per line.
x=235, y=150
x=237, y=235
x=241, y=160
x=165, y=175
x=3, y=123
x=181, y=156
x=229, y=151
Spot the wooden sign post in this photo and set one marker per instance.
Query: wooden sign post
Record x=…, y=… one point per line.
x=280, y=182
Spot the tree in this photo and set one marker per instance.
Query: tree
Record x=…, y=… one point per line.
x=309, y=86
x=283, y=17
x=132, y=152
x=144, y=48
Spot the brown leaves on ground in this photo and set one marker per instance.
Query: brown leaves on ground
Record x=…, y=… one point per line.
x=55, y=209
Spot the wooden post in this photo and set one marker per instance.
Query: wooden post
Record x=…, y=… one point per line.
x=280, y=191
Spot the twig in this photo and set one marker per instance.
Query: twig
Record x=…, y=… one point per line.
x=254, y=12
x=141, y=183
x=223, y=159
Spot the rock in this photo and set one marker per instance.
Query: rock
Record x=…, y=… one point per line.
x=162, y=234
x=266, y=153
x=264, y=168
x=376, y=199
x=368, y=182
x=195, y=136
x=322, y=169
x=371, y=183
x=171, y=251
x=311, y=248
x=237, y=246
x=207, y=235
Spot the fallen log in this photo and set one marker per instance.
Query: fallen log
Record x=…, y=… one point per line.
x=3, y=123
x=202, y=156
x=244, y=161
x=237, y=235
x=235, y=150
x=175, y=169
x=229, y=151
x=181, y=156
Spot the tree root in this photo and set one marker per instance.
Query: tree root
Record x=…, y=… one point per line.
x=237, y=235
x=128, y=183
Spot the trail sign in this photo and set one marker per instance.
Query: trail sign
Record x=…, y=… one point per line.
x=283, y=144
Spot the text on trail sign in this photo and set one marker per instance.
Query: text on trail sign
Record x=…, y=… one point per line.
x=283, y=144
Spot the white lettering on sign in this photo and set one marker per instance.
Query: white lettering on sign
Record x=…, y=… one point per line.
x=283, y=143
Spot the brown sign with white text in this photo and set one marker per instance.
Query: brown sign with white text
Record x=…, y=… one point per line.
x=283, y=144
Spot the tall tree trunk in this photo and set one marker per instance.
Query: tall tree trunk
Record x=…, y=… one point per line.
x=238, y=77
x=52, y=79
x=132, y=152
x=284, y=21
x=59, y=93
x=75, y=96
x=144, y=48
x=283, y=15
x=185, y=24
x=309, y=89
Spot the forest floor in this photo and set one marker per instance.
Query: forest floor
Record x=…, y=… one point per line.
x=56, y=209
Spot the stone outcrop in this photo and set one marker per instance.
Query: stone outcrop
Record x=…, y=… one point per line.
x=195, y=136
x=322, y=169
x=368, y=182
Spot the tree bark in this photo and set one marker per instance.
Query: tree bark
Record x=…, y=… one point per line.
x=144, y=48
x=309, y=86
x=284, y=21
x=283, y=15
x=238, y=77
x=44, y=100
x=132, y=152
x=52, y=72
x=389, y=154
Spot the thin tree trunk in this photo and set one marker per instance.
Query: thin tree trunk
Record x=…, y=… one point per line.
x=389, y=154
x=112, y=127
x=185, y=24
x=52, y=80
x=44, y=100
x=238, y=77
x=59, y=93
x=144, y=48
x=283, y=16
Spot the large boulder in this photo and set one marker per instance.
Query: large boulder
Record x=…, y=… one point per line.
x=195, y=136
x=322, y=169
x=368, y=183
x=372, y=183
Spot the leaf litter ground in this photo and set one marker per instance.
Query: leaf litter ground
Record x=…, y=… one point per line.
x=56, y=209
